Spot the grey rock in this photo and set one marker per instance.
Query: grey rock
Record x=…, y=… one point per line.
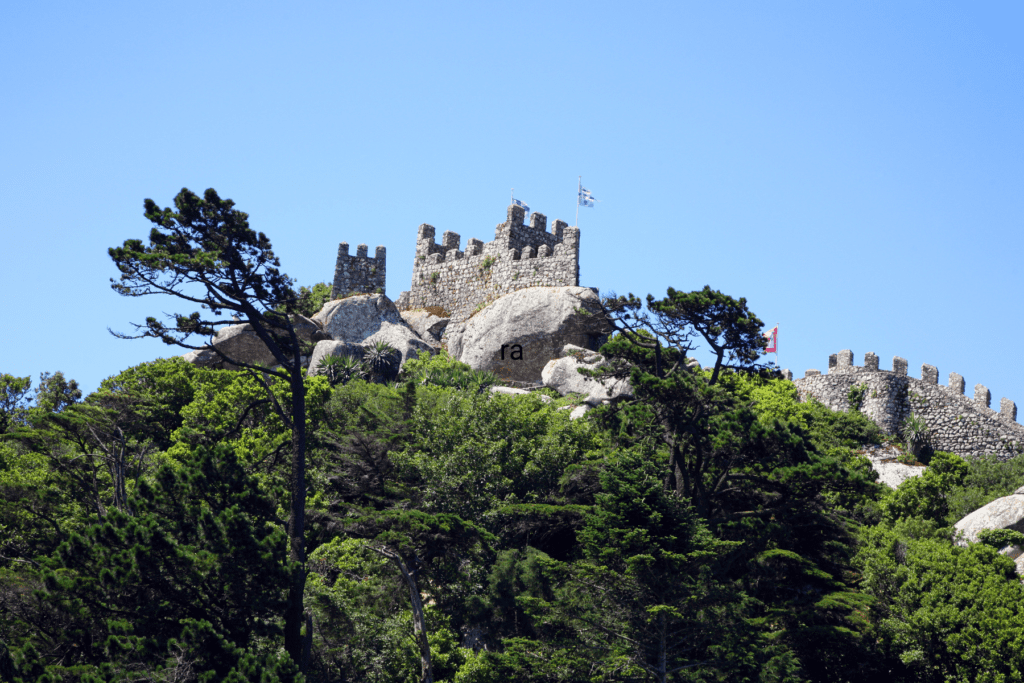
x=324, y=349
x=539, y=320
x=512, y=391
x=1002, y=513
x=356, y=318
x=579, y=411
x=563, y=375
x=240, y=343
x=428, y=326
x=403, y=339
x=205, y=357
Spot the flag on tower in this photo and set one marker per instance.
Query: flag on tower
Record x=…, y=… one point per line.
x=585, y=198
x=516, y=202
x=773, y=340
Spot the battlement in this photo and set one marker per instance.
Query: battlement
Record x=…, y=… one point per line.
x=359, y=273
x=957, y=423
x=520, y=256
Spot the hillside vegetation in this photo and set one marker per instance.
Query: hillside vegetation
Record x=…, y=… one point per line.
x=143, y=537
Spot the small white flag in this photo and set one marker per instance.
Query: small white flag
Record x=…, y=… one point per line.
x=516, y=202
x=586, y=199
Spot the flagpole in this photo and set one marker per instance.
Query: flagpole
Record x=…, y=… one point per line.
x=579, y=185
x=778, y=366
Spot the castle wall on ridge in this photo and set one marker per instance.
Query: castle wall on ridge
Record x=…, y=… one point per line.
x=965, y=426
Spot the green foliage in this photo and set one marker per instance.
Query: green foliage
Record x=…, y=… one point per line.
x=855, y=396
x=310, y=300
x=13, y=403
x=441, y=370
x=1000, y=538
x=987, y=478
x=341, y=369
x=488, y=262
x=382, y=361
x=927, y=496
x=915, y=430
x=195, y=574
x=474, y=454
x=943, y=613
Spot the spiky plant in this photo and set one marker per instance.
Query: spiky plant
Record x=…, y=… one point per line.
x=341, y=369
x=382, y=361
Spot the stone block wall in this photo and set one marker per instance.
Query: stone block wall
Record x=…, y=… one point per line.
x=359, y=273
x=956, y=423
x=520, y=256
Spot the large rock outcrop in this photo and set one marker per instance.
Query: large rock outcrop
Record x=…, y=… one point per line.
x=428, y=326
x=562, y=375
x=324, y=349
x=367, y=319
x=241, y=343
x=515, y=336
x=1002, y=513
x=355, y=318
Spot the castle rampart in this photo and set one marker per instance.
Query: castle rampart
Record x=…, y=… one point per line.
x=956, y=423
x=359, y=273
x=520, y=256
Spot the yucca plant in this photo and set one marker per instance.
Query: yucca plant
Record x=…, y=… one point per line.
x=915, y=432
x=341, y=369
x=382, y=362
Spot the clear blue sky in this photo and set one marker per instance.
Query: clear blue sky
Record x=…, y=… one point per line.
x=855, y=170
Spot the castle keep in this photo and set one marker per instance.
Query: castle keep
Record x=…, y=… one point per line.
x=520, y=256
x=955, y=423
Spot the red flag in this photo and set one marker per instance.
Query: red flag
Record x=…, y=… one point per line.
x=773, y=340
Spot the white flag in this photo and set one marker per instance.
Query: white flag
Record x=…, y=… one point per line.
x=516, y=202
x=586, y=199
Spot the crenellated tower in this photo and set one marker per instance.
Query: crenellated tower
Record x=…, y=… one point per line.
x=520, y=256
x=359, y=273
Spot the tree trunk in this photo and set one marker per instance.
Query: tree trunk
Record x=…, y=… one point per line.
x=294, y=613
x=419, y=624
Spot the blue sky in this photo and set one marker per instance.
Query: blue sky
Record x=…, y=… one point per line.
x=853, y=169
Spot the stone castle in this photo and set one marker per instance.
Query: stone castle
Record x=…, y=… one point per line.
x=460, y=282
x=457, y=283
x=956, y=423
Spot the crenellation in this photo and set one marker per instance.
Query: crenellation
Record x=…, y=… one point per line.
x=845, y=359
x=557, y=229
x=833, y=362
x=359, y=273
x=538, y=254
x=450, y=240
x=982, y=396
x=930, y=374
x=787, y=374
x=968, y=427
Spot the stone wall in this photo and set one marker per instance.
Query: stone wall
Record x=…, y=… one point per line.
x=967, y=427
x=520, y=256
x=359, y=273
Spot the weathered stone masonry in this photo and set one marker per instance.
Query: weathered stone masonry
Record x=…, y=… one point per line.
x=359, y=273
x=520, y=256
x=956, y=423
